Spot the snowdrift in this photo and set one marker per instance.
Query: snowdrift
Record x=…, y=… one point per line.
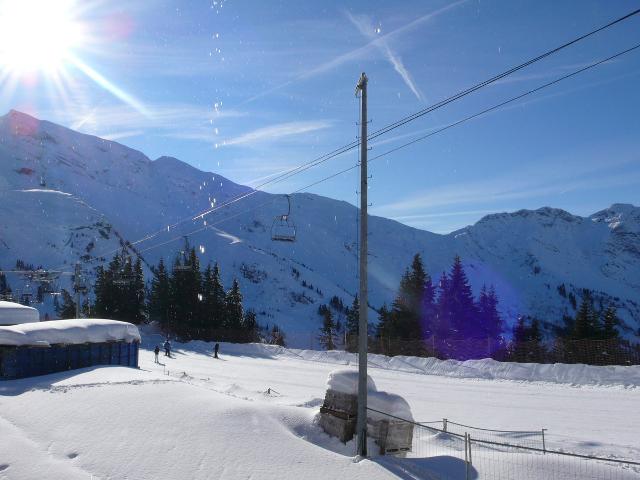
x=13, y=314
x=486, y=369
x=346, y=381
x=68, y=332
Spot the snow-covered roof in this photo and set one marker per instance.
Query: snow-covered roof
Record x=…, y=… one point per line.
x=69, y=332
x=13, y=313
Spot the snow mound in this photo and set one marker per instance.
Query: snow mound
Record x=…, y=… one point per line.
x=388, y=403
x=346, y=381
x=13, y=313
x=69, y=332
x=485, y=369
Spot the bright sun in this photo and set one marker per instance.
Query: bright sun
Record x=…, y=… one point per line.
x=36, y=35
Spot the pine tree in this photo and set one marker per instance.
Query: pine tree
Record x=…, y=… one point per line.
x=586, y=320
x=443, y=327
x=250, y=326
x=527, y=345
x=461, y=304
x=68, y=307
x=186, y=294
x=385, y=327
x=217, y=298
x=353, y=317
x=159, y=297
x=488, y=318
x=5, y=289
x=609, y=323
x=233, y=308
x=413, y=309
x=137, y=295
x=327, y=332
x=277, y=337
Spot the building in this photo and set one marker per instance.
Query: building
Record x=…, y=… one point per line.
x=31, y=349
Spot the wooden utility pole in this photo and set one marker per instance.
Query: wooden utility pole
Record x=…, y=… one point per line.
x=361, y=426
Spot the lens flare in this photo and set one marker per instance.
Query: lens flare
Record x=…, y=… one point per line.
x=37, y=35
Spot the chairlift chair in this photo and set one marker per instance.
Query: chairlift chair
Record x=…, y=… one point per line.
x=283, y=229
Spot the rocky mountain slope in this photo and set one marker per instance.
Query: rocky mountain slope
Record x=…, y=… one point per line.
x=56, y=183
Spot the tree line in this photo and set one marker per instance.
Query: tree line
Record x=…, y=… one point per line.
x=186, y=301
x=445, y=320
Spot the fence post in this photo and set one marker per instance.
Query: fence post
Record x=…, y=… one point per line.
x=544, y=447
x=444, y=424
x=470, y=458
x=466, y=457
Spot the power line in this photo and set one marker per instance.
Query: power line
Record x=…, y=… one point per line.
x=494, y=79
x=403, y=121
x=416, y=140
x=420, y=113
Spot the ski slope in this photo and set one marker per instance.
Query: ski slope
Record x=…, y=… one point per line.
x=195, y=417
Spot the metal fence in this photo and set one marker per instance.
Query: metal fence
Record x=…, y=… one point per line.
x=453, y=451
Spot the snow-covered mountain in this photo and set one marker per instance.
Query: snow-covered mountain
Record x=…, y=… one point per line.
x=56, y=183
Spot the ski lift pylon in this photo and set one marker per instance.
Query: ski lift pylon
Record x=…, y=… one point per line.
x=283, y=229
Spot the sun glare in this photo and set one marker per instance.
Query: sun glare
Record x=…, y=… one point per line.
x=36, y=35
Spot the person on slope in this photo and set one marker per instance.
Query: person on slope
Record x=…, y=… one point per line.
x=215, y=350
x=157, y=352
x=167, y=348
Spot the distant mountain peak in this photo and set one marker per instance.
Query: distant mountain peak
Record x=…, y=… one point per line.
x=544, y=213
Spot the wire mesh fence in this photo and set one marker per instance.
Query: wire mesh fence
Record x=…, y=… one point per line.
x=459, y=451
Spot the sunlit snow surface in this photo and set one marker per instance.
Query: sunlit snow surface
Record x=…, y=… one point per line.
x=199, y=418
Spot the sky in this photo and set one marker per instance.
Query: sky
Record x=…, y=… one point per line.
x=248, y=89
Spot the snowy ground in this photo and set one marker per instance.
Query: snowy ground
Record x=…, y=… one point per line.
x=196, y=417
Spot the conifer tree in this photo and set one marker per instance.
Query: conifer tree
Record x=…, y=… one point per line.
x=68, y=307
x=353, y=317
x=327, y=332
x=609, y=322
x=443, y=327
x=461, y=305
x=488, y=318
x=137, y=293
x=5, y=289
x=186, y=293
x=385, y=327
x=276, y=336
x=413, y=308
x=159, y=296
x=527, y=341
x=233, y=308
x=217, y=298
x=250, y=326
x=585, y=324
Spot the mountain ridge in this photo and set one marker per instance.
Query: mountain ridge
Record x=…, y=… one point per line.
x=526, y=254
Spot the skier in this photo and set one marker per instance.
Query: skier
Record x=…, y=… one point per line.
x=167, y=348
x=215, y=350
x=157, y=352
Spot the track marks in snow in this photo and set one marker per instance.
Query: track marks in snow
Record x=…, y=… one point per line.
x=66, y=388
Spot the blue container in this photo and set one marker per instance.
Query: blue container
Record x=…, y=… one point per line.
x=31, y=361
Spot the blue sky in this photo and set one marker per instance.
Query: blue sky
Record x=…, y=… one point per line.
x=248, y=89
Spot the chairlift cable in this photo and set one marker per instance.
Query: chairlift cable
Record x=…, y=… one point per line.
x=350, y=146
x=424, y=137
